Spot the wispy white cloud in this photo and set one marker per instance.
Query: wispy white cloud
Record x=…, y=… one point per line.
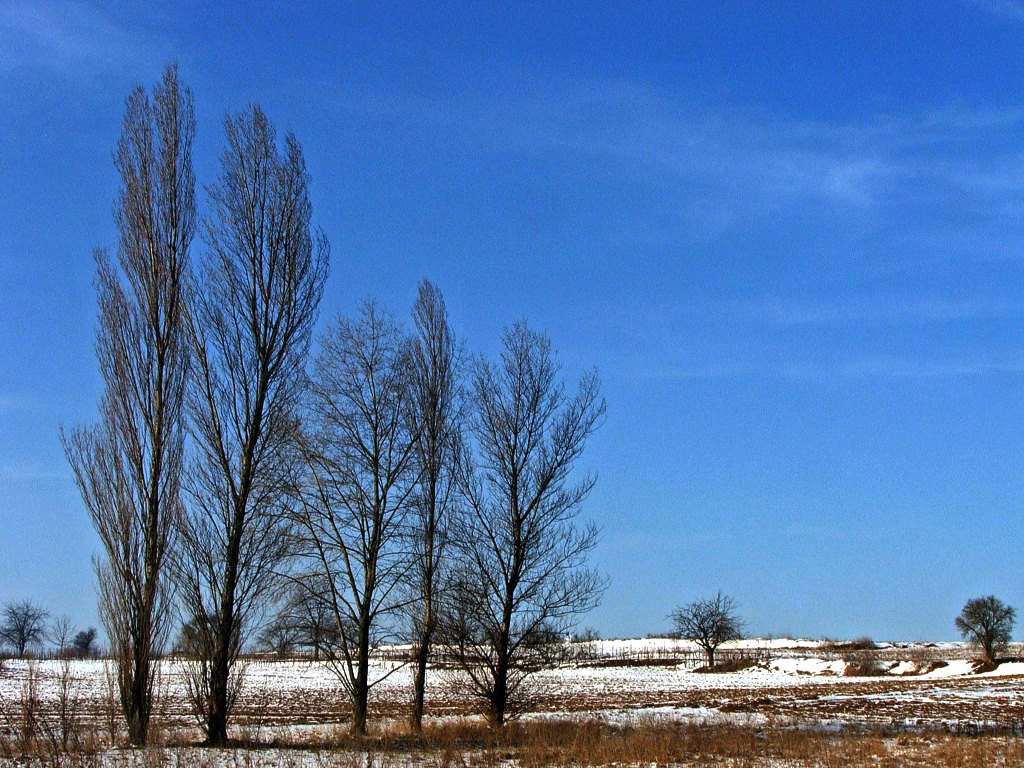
x=879, y=310
x=893, y=366
x=65, y=37
x=1010, y=9
x=31, y=471
x=850, y=367
x=11, y=404
x=717, y=168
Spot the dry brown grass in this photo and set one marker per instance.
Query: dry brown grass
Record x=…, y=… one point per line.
x=48, y=733
x=594, y=744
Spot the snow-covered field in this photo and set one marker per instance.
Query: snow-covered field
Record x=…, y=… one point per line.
x=794, y=686
x=795, y=682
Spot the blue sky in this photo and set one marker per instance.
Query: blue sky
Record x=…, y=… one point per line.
x=789, y=236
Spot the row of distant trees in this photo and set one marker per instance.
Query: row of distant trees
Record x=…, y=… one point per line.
x=26, y=626
x=712, y=622
x=394, y=484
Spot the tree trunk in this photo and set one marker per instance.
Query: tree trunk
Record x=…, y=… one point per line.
x=419, y=681
x=139, y=704
x=499, y=696
x=499, y=693
x=220, y=664
x=359, y=712
x=136, y=709
x=422, y=654
x=361, y=689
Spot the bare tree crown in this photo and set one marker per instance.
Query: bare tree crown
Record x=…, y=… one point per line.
x=522, y=576
x=23, y=625
x=988, y=623
x=709, y=623
x=251, y=317
x=129, y=466
x=360, y=454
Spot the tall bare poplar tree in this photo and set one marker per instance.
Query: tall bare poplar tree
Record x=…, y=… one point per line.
x=521, y=576
x=129, y=465
x=437, y=412
x=361, y=476
x=250, y=322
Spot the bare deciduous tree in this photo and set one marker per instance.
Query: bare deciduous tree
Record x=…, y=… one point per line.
x=23, y=624
x=522, y=577
x=60, y=632
x=437, y=414
x=361, y=463
x=280, y=635
x=250, y=322
x=129, y=466
x=311, y=616
x=709, y=623
x=988, y=622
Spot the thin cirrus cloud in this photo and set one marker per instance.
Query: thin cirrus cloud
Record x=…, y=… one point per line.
x=865, y=311
x=65, y=38
x=716, y=167
x=930, y=192
x=15, y=404
x=705, y=359
x=32, y=471
x=884, y=366
x=843, y=368
x=1009, y=9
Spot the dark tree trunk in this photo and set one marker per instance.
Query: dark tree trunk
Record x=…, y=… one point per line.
x=361, y=687
x=137, y=707
x=498, y=704
x=419, y=684
x=422, y=652
x=223, y=651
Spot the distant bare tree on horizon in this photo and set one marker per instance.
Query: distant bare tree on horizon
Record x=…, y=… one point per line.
x=709, y=623
x=23, y=624
x=128, y=466
x=521, y=578
x=437, y=410
x=311, y=616
x=251, y=317
x=60, y=633
x=361, y=474
x=988, y=623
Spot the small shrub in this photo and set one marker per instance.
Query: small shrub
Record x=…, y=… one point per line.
x=980, y=666
x=734, y=665
x=861, y=667
x=849, y=646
